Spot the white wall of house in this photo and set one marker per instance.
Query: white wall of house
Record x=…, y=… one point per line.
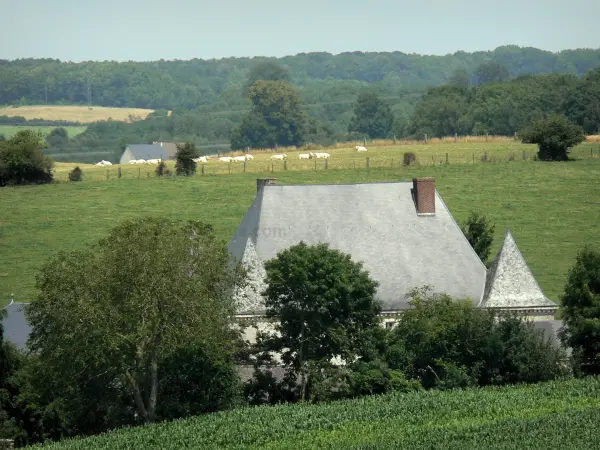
x=126, y=156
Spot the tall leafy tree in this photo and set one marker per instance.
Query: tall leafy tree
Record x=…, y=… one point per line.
x=184, y=159
x=479, y=231
x=266, y=71
x=372, y=116
x=555, y=136
x=322, y=302
x=276, y=118
x=150, y=288
x=581, y=311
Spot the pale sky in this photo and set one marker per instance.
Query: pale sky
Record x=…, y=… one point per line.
x=142, y=30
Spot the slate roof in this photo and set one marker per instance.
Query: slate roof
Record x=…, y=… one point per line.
x=151, y=151
x=511, y=283
x=375, y=223
x=16, y=327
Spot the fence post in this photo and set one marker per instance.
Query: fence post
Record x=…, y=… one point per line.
x=203, y=169
x=473, y=157
x=272, y=167
x=229, y=168
x=315, y=163
x=394, y=139
x=119, y=172
x=455, y=137
x=365, y=141
x=139, y=172
x=425, y=137
x=432, y=160
x=107, y=174
x=591, y=154
x=486, y=136
x=245, y=163
x=285, y=164
x=447, y=162
x=368, y=162
x=524, y=155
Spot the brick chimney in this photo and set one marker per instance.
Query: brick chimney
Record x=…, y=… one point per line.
x=260, y=182
x=424, y=196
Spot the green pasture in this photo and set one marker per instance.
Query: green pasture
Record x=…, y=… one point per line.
x=9, y=130
x=553, y=209
x=556, y=415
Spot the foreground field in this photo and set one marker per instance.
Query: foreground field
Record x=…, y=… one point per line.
x=82, y=114
x=552, y=209
x=558, y=415
x=9, y=130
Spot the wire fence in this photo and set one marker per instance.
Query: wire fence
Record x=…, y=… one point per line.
x=352, y=162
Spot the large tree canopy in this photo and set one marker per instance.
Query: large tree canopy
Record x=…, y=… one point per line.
x=554, y=137
x=322, y=304
x=22, y=161
x=372, y=116
x=276, y=118
x=117, y=309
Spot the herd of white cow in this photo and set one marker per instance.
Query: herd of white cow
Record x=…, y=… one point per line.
x=246, y=157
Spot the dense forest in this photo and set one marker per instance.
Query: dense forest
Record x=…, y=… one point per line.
x=494, y=92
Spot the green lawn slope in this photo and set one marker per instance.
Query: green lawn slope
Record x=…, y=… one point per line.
x=557, y=415
x=552, y=209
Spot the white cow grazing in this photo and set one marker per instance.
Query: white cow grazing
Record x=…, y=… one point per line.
x=133, y=161
x=360, y=148
x=249, y=157
x=319, y=155
x=201, y=159
x=280, y=157
x=152, y=161
x=103, y=163
x=238, y=158
x=225, y=158
x=141, y=161
x=303, y=156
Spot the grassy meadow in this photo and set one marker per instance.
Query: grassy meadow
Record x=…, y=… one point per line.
x=555, y=415
x=9, y=130
x=82, y=114
x=552, y=209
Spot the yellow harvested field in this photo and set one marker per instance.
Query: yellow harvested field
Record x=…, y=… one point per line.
x=82, y=114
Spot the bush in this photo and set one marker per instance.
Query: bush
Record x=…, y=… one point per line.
x=446, y=343
x=75, y=174
x=554, y=137
x=22, y=161
x=162, y=169
x=409, y=159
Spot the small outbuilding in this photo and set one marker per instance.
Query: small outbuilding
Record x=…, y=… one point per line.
x=157, y=150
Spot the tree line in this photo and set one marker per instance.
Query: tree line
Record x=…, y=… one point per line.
x=276, y=114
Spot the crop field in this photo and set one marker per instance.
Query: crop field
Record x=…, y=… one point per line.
x=552, y=209
x=9, y=130
x=82, y=114
x=556, y=415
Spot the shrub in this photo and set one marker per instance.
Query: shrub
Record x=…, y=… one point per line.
x=162, y=169
x=554, y=137
x=479, y=231
x=409, y=159
x=75, y=174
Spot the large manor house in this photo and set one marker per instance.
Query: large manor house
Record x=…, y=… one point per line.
x=402, y=232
